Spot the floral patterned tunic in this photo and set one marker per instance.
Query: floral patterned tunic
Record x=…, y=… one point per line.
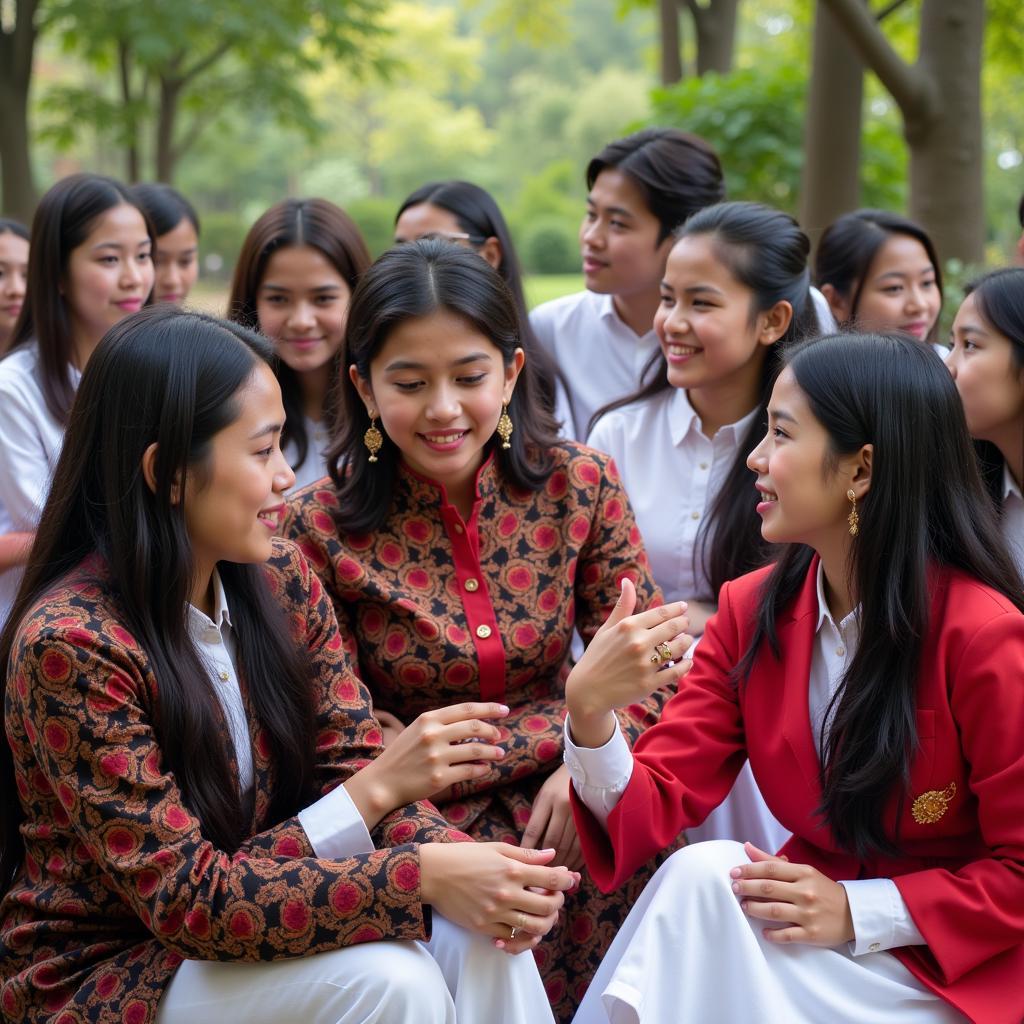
x=119, y=884
x=445, y=610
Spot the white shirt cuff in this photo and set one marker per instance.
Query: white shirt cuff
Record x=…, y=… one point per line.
x=881, y=919
x=600, y=775
x=335, y=828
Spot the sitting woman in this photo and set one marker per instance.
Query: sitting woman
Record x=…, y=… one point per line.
x=875, y=679
x=463, y=544
x=194, y=760
x=987, y=364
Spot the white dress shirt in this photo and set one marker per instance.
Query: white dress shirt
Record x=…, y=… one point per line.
x=333, y=824
x=672, y=472
x=1013, y=519
x=315, y=465
x=30, y=444
x=600, y=356
x=600, y=776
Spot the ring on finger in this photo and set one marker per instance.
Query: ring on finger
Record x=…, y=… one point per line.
x=662, y=653
x=512, y=935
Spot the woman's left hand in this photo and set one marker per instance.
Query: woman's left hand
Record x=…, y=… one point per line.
x=773, y=890
x=551, y=825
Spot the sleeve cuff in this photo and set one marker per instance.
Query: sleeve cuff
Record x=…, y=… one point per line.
x=606, y=767
x=335, y=827
x=881, y=919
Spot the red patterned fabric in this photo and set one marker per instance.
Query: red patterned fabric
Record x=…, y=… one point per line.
x=119, y=884
x=523, y=571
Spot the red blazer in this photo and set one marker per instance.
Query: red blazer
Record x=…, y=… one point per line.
x=961, y=876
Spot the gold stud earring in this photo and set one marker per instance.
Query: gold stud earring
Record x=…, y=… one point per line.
x=373, y=439
x=853, y=518
x=505, y=427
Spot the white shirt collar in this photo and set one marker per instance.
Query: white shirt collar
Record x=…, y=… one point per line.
x=199, y=621
x=683, y=418
x=1010, y=485
x=824, y=613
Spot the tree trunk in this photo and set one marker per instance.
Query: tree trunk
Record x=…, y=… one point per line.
x=671, y=55
x=830, y=182
x=715, y=24
x=167, y=117
x=946, y=160
x=17, y=47
x=124, y=58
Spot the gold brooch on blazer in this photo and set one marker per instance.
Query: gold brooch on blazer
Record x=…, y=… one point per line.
x=931, y=806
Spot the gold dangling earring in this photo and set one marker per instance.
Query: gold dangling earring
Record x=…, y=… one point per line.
x=505, y=427
x=853, y=518
x=373, y=439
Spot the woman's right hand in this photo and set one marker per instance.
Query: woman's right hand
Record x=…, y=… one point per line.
x=437, y=750
x=493, y=888
x=617, y=668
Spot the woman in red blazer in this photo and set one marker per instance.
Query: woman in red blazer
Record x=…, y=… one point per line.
x=198, y=821
x=874, y=677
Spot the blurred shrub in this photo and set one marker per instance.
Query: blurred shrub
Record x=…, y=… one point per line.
x=221, y=242
x=549, y=246
x=376, y=219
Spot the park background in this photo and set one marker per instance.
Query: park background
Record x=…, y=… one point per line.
x=814, y=107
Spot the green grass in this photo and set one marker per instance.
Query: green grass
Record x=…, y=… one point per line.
x=543, y=287
x=211, y=296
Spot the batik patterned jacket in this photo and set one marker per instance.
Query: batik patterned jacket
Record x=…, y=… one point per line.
x=445, y=610
x=119, y=883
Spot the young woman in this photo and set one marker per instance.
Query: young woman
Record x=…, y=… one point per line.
x=462, y=212
x=641, y=189
x=987, y=364
x=736, y=288
x=880, y=272
x=90, y=266
x=874, y=677
x=176, y=255
x=462, y=543
x=194, y=758
x=293, y=281
x=13, y=275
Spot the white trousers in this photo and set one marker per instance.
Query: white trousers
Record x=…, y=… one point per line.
x=687, y=952
x=742, y=815
x=457, y=977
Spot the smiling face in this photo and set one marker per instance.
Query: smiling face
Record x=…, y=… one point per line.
x=438, y=386
x=108, y=277
x=802, y=485
x=988, y=377
x=706, y=323
x=900, y=291
x=302, y=305
x=176, y=263
x=235, y=501
x=13, y=280
x=619, y=238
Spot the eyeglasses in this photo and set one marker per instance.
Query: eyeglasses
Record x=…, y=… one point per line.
x=444, y=236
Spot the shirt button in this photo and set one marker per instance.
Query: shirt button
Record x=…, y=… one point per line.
x=472, y=585
x=703, y=465
x=483, y=632
x=840, y=651
x=224, y=676
x=874, y=947
x=458, y=528
x=695, y=515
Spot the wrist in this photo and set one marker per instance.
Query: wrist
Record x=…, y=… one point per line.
x=429, y=886
x=593, y=729
x=372, y=795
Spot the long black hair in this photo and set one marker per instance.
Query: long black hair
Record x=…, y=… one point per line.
x=765, y=251
x=999, y=299
x=849, y=246
x=293, y=223
x=165, y=206
x=173, y=378
x=926, y=507
x=408, y=282
x=15, y=227
x=480, y=217
x=63, y=220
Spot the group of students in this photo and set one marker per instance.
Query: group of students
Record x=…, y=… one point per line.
x=338, y=667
